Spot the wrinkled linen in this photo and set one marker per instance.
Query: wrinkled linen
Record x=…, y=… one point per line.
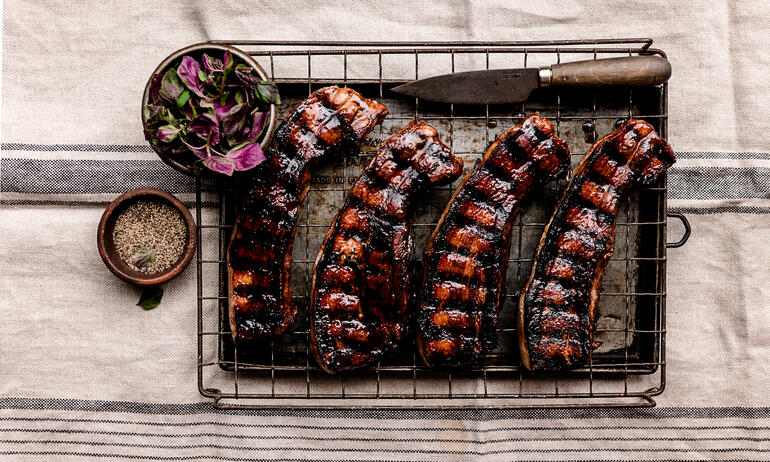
x=87, y=374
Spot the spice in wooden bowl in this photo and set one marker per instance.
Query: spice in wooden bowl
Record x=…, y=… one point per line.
x=150, y=236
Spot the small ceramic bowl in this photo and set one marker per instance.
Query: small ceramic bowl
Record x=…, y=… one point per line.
x=107, y=245
x=197, y=49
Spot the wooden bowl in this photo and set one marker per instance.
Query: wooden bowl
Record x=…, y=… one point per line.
x=107, y=245
x=197, y=49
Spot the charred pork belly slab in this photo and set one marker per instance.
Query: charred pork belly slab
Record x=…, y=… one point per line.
x=330, y=121
x=467, y=255
x=360, y=291
x=557, y=308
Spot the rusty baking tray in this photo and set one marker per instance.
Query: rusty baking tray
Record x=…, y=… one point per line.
x=628, y=369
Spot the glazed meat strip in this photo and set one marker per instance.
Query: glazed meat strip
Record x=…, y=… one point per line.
x=467, y=255
x=557, y=309
x=360, y=289
x=330, y=121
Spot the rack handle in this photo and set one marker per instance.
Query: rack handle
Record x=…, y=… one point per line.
x=687, y=229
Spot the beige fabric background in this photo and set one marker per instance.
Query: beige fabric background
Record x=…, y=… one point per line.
x=73, y=73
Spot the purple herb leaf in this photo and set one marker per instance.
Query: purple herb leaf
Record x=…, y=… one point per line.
x=206, y=126
x=154, y=117
x=258, y=122
x=244, y=74
x=221, y=109
x=234, y=120
x=171, y=86
x=144, y=257
x=188, y=72
x=208, y=106
x=200, y=153
x=208, y=62
x=246, y=157
x=212, y=64
x=219, y=164
x=267, y=92
x=155, y=88
x=167, y=133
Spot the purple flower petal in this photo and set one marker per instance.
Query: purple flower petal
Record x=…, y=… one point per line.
x=155, y=88
x=219, y=164
x=206, y=126
x=246, y=157
x=188, y=72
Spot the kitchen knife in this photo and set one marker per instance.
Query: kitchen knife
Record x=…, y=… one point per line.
x=498, y=86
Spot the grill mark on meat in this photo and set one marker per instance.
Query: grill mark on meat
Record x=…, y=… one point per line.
x=360, y=287
x=467, y=255
x=329, y=122
x=557, y=308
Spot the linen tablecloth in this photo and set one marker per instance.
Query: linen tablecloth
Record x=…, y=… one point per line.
x=86, y=374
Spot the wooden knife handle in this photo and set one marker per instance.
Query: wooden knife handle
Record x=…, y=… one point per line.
x=631, y=71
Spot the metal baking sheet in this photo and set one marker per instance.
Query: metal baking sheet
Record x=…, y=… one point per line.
x=629, y=327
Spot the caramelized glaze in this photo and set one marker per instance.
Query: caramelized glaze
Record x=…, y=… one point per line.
x=329, y=122
x=557, y=308
x=467, y=255
x=360, y=294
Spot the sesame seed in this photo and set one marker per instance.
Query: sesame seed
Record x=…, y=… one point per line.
x=150, y=236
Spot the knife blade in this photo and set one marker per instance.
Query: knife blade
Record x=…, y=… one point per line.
x=500, y=86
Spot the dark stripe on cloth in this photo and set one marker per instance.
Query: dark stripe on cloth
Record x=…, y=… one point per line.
x=196, y=457
x=705, y=183
x=293, y=459
x=393, y=429
x=448, y=452
x=724, y=209
x=365, y=440
x=721, y=155
x=75, y=147
x=188, y=204
x=69, y=176
x=457, y=414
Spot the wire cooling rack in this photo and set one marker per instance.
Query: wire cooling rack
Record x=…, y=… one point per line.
x=628, y=369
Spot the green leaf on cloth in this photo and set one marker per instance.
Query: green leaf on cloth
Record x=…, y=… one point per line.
x=150, y=297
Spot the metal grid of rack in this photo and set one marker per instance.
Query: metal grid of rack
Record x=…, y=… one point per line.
x=629, y=371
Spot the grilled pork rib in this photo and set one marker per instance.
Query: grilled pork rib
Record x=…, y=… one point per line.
x=360, y=289
x=467, y=255
x=557, y=308
x=330, y=121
